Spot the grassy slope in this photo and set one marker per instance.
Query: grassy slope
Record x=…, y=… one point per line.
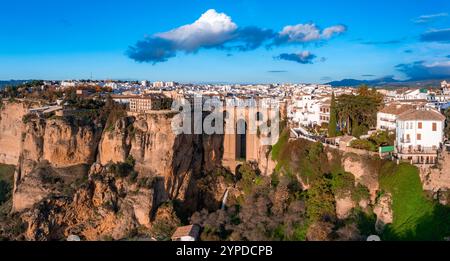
x=415, y=216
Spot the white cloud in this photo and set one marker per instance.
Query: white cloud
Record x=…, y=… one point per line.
x=327, y=33
x=211, y=29
x=217, y=30
x=429, y=18
x=302, y=33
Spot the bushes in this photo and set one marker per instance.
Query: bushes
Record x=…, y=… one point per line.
x=360, y=192
x=363, y=145
x=5, y=191
x=249, y=177
x=29, y=117
x=124, y=169
x=320, y=203
x=6, y=182
x=342, y=183
x=376, y=140
x=166, y=222
x=284, y=137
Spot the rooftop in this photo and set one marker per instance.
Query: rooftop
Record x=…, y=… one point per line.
x=396, y=108
x=191, y=230
x=421, y=114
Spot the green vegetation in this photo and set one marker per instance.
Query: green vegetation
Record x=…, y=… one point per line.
x=166, y=224
x=6, y=182
x=282, y=140
x=376, y=140
x=358, y=113
x=320, y=203
x=415, y=216
x=115, y=112
x=125, y=169
x=332, y=126
x=447, y=127
x=363, y=145
x=300, y=158
x=29, y=117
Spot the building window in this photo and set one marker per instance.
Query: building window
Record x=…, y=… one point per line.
x=434, y=126
x=419, y=125
x=408, y=138
x=419, y=136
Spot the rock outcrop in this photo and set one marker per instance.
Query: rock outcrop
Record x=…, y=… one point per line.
x=11, y=127
x=68, y=179
x=54, y=145
x=344, y=205
x=364, y=174
x=436, y=178
x=383, y=210
x=115, y=144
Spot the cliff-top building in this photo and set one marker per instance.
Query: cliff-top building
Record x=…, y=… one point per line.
x=420, y=134
x=387, y=117
x=150, y=103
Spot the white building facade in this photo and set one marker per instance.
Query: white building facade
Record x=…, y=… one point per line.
x=420, y=135
x=387, y=117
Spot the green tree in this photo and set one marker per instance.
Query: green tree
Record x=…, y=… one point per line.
x=333, y=118
x=447, y=128
x=358, y=113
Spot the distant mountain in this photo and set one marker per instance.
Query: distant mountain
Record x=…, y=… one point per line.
x=354, y=82
x=11, y=82
x=387, y=82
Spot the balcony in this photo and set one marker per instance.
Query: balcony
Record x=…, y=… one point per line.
x=417, y=150
x=405, y=140
x=387, y=120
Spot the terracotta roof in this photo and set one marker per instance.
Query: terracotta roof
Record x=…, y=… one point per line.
x=421, y=114
x=191, y=230
x=397, y=109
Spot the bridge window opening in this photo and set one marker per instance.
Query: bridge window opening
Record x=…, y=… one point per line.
x=241, y=140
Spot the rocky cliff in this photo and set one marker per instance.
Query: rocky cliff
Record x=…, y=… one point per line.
x=55, y=146
x=11, y=127
x=77, y=176
x=71, y=177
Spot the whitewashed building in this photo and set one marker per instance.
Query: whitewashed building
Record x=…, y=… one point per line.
x=387, y=117
x=309, y=110
x=420, y=134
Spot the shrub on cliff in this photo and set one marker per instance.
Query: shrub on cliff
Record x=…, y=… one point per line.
x=6, y=182
x=166, y=222
x=124, y=169
x=5, y=191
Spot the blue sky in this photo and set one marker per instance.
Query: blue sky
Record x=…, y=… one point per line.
x=244, y=40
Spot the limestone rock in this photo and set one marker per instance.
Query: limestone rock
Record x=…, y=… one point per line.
x=11, y=127
x=344, y=205
x=383, y=210
x=363, y=173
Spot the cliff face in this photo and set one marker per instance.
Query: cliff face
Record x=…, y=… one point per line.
x=160, y=153
x=104, y=207
x=68, y=178
x=47, y=146
x=11, y=127
x=52, y=156
x=174, y=161
x=115, y=144
x=67, y=144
